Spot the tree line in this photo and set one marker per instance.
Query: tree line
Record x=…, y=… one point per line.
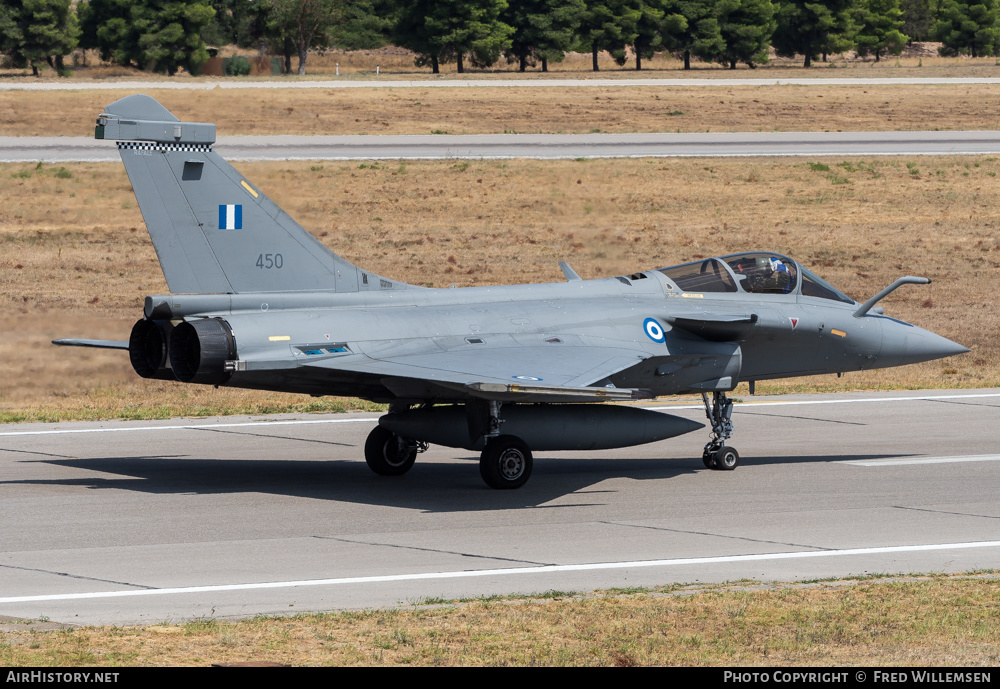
x=167, y=35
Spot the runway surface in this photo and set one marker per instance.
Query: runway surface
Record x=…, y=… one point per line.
x=143, y=522
x=449, y=81
x=542, y=146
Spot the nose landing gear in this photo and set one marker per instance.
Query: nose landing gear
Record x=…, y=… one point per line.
x=716, y=454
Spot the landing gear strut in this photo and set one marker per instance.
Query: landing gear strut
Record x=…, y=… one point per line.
x=716, y=454
x=506, y=460
x=388, y=454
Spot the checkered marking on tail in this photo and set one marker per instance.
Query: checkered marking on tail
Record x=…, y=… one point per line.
x=153, y=146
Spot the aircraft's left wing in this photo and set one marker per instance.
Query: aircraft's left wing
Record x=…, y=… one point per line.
x=99, y=344
x=554, y=372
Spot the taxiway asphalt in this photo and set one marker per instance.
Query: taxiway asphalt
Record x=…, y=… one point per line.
x=143, y=522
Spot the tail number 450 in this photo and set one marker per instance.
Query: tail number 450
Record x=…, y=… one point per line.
x=268, y=261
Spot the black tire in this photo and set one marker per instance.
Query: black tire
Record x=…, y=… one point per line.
x=505, y=463
x=726, y=459
x=708, y=459
x=387, y=454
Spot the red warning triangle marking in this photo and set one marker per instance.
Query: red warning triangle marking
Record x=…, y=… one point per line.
x=795, y=322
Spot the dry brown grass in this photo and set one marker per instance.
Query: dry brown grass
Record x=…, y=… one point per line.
x=527, y=110
x=943, y=621
x=76, y=260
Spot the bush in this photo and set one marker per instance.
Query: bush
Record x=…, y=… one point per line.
x=237, y=66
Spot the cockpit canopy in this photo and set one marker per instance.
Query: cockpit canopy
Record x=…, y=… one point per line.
x=756, y=272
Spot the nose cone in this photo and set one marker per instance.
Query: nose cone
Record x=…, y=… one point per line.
x=907, y=344
x=926, y=346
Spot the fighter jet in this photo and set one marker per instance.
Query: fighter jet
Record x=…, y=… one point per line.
x=257, y=302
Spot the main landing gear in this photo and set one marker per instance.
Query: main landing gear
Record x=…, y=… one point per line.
x=716, y=454
x=389, y=455
x=505, y=461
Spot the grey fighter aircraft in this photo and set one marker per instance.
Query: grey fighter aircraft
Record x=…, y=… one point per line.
x=257, y=302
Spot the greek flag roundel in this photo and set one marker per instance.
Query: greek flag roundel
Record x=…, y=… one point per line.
x=654, y=330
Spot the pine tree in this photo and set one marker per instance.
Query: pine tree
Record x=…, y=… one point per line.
x=237, y=22
x=918, y=18
x=363, y=25
x=649, y=30
x=609, y=25
x=160, y=35
x=746, y=27
x=103, y=27
x=691, y=28
x=813, y=29
x=968, y=27
x=879, y=24
x=304, y=24
x=37, y=31
x=543, y=30
x=440, y=31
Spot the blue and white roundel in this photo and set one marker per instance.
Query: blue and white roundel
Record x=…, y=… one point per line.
x=654, y=330
x=531, y=378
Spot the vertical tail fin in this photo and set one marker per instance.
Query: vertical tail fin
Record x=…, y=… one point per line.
x=212, y=229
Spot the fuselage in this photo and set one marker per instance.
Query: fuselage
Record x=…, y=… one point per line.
x=727, y=336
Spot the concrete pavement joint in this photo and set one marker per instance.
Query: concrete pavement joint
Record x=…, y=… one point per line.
x=967, y=404
x=717, y=535
x=36, y=452
x=274, y=437
x=805, y=418
x=435, y=550
x=958, y=514
x=76, y=576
